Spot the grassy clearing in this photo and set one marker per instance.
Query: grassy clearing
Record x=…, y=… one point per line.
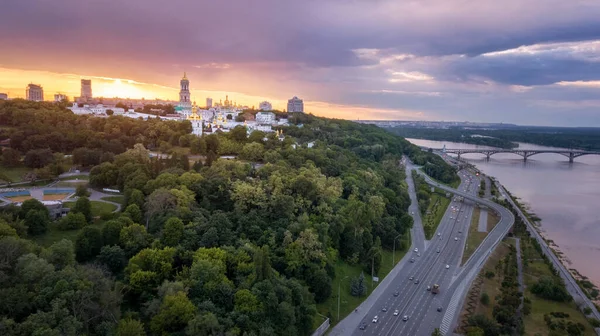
x=54, y=235
x=98, y=208
x=475, y=237
x=534, y=267
x=348, y=302
x=435, y=211
x=15, y=174
x=63, y=184
x=116, y=199
x=492, y=286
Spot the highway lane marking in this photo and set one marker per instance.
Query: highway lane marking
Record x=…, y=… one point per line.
x=454, y=255
x=453, y=251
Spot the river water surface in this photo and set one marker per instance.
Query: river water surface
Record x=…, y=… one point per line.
x=565, y=196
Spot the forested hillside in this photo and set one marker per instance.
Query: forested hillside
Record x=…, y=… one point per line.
x=215, y=247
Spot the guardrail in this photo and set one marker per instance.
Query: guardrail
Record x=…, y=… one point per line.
x=322, y=328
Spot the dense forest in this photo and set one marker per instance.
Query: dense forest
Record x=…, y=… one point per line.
x=563, y=137
x=211, y=247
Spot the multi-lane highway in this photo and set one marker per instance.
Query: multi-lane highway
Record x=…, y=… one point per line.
x=410, y=297
x=413, y=300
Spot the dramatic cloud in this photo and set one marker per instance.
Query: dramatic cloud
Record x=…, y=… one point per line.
x=481, y=60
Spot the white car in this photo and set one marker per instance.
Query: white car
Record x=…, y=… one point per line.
x=439, y=233
x=447, y=266
x=405, y=318
x=416, y=250
x=375, y=319
x=455, y=238
x=396, y=312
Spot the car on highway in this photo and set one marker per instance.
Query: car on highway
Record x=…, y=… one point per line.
x=416, y=250
x=384, y=309
x=428, y=288
x=418, y=254
x=375, y=319
x=411, y=278
x=405, y=318
x=438, y=251
x=447, y=266
x=363, y=326
x=455, y=238
x=396, y=312
x=439, y=233
x=416, y=282
x=459, y=231
x=412, y=260
x=439, y=309
x=396, y=293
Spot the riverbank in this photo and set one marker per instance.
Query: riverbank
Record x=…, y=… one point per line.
x=563, y=195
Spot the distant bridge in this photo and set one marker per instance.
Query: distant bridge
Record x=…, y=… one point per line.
x=525, y=153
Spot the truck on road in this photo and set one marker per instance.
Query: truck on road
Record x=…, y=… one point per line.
x=435, y=289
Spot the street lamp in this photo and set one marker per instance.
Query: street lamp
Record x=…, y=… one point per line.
x=394, y=250
x=339, y=284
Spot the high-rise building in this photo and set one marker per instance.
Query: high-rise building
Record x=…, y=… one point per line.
x=184, y=94
x=295, y=105
x=34, y=92
x=208, y=103
x=86, y=89
x=3, y=96
x=265, y=106
x=60, y=97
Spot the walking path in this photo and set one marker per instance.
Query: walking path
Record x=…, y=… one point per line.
x=570, y=283
x=520, y=274
x=483, y=217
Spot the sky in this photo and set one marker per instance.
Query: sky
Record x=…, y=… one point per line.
x=534, y=62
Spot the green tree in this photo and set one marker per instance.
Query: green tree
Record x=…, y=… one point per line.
x=253, y=152
x=175, y=312
x=113, y=257
x=11, y=157
x=134, y=238
x=111, y=232
x=6, y=230
x=83, y=206
x=172, y=232
x=32, y=204
x=130, y=327
x=134, y=212
x=88, y=243
x=61, y=254
x=37, y=221
x=485, y=299
x=358, y=286
x=204, y=324
x=72, y=221
x=81, y=190
x=238, y=134
x=436, y=332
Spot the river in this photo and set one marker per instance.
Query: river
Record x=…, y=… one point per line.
x=565, y=196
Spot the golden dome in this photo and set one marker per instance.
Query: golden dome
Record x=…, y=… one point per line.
x=194, y=115
x=184, y=75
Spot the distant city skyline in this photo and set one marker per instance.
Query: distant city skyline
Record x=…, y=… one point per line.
x=534, y=62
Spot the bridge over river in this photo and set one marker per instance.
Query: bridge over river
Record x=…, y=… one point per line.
x=525, y=153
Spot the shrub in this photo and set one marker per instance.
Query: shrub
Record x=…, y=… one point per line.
x=72, y=221
x=489, y=274
x=485, y=299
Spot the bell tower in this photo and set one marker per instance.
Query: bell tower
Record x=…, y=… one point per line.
x=184, y=93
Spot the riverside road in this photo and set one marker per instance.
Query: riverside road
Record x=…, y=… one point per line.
x=414, y=301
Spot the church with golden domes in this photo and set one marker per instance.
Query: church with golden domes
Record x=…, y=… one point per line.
x=196, y=120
